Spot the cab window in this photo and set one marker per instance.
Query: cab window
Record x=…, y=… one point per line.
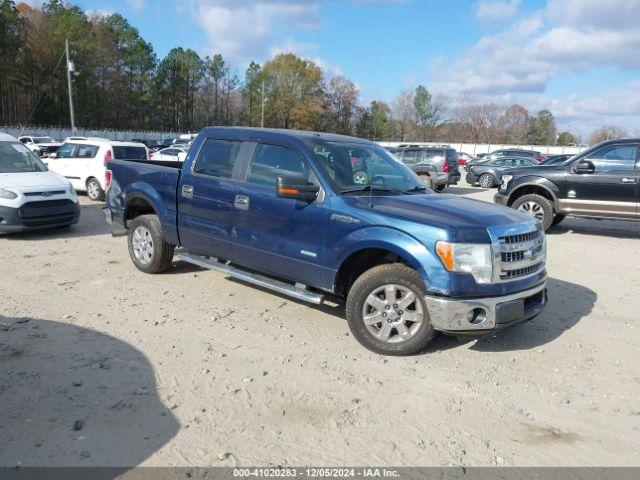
x=614, y=157
x=271, y=161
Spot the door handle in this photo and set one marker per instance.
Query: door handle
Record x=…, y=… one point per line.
x=187, y=191
x=628, y=180
x=241, y=202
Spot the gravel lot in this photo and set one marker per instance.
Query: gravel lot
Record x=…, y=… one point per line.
x=103, y=365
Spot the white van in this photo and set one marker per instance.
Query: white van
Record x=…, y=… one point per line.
x=31, y=196
x=84, y=162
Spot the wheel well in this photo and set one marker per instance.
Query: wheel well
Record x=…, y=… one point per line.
x=531, y=189
x=136, y=207
x=359, y=262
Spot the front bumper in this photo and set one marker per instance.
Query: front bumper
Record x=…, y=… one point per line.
x=471, y=178
x=483, y=315
x=451, y=178
x=39, y=215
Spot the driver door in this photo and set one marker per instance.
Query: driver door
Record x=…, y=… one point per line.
x=611, y=190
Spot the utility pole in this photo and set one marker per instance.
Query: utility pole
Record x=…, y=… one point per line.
x=262, y=116
x=70, y=69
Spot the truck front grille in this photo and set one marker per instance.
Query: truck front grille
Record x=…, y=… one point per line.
x=521, y=255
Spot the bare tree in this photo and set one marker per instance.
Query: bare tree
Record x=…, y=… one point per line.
x=607, y=132
x=404, y=111
x=514, y=125
x=481, y=118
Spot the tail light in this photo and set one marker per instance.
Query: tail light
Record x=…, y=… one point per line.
x=108, y=155
x=445, y=167
x=107, y=179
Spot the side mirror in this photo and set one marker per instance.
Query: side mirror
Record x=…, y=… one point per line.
x=296, y=188
x=584, y=166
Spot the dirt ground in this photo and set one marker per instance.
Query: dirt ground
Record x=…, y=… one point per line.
x=103, y=365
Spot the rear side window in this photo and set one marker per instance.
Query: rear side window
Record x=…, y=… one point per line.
x=129, y=153
x=218, y=157
x=271, y=161
x=87, y=151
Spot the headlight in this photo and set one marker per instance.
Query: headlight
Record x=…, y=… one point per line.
x=7, y=194
x=475, y=259
x=504, y=181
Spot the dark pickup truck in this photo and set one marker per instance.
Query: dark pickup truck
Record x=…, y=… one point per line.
x=601, y=182
x=288, y=211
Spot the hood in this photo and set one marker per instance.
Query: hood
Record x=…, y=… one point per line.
x=32, y=180
x=53, y=144
x=465, y=219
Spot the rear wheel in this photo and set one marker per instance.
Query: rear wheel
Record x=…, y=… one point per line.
x=148, y=249
x=94, y=190
x=486, y=180
x=538, y=207
x=427, y=180
x=387, y=313
x=439, y=188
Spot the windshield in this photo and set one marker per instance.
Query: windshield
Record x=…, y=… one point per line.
x=16, y=158
x=363, y=167
x=42, y=140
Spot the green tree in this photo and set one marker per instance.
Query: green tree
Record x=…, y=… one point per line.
x=567, y=138
x=429, y=112
x=542, y=129
x=252, y=94
x=294, y=94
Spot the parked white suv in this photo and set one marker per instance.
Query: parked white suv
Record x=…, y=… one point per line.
x=31, y=196
x=84, y=162
x=40, y=145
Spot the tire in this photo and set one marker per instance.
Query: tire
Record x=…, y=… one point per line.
x=486, y=180
x=557, y=219
x=148, y=249
x=427, y=180
x=538, y=207
x=361, y=178
x=440, y=188
x=385, y=336
x=94, y=190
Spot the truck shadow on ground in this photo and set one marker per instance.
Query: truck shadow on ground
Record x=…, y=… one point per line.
x=91, y=223
x=568, y=303
x=72, y=396
x=603, y=228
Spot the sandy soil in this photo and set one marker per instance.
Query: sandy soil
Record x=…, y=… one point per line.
x=103, y=365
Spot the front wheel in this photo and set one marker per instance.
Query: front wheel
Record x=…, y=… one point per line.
x=538, y=207
x=148, y=250
x=386, y=311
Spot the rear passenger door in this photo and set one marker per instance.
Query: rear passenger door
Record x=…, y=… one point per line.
x=278, y=235
x=206, y=195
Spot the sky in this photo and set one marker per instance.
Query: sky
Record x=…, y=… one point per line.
x=578, y=58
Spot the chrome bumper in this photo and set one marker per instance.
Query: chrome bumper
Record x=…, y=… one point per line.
x=481, y=314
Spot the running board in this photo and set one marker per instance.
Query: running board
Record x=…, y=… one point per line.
x=298, y=291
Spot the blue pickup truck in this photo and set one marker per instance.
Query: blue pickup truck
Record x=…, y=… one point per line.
x=288, y=211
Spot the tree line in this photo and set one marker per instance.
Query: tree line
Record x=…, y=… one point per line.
x=119, y=83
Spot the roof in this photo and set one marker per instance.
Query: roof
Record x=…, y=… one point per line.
x=298, y=134
x=102, y=141
x=5, y=137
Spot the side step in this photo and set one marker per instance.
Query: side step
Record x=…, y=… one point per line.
x=296, y=291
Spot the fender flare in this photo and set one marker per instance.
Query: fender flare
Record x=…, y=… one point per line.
x=419, y=257
x=539, y=182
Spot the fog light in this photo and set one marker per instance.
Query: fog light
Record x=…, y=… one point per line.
x=477, y=316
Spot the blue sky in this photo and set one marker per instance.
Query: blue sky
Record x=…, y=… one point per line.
x=578, y=58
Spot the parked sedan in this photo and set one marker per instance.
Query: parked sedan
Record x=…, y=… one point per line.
x=464, y=158
x=515, y=152
x=555, y=159
x=487, y=174
x=171, y=154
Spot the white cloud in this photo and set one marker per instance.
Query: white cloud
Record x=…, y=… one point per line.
x=136, y=5
x=496, y=11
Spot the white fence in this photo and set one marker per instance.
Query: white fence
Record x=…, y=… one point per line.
x=62, y=133
x=477, y=148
